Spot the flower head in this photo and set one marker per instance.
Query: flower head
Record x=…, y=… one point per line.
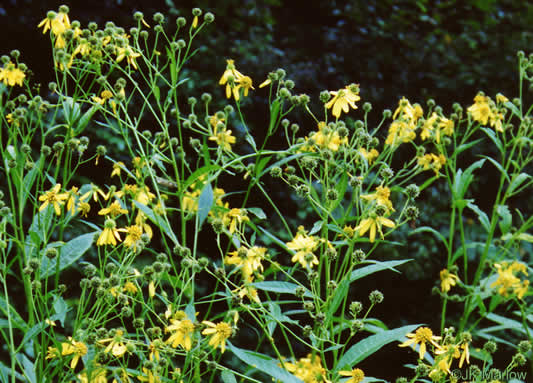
x=447, y=280
x=372, y=224
x=422, y=336
x=54, y=198
x=343, y=99
x=304, y=245
x=115, y=345
x=181, y=333
x=356, y=375
x=58, y=23
x=219, y=333
x=11, y=75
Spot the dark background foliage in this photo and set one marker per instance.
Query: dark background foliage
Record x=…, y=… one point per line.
x=420, y=49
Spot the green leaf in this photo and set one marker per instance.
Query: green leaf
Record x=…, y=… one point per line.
x=6, y=372
x=69, y=253
x=437, y=234
x=205, y=202
x=512, y=107
x=316, y=227
x=483, y=218
x=506, y=218
x=258, y=212
x=37, y=233
x=61, y=308
x=516, y=182
x=264, y=363
x=492, y=135
x=198, y=173
x=463, y=179
x=498, y=166
x=370, y=345
x=157, y=220
x=29, y=180
x=280, y=287
x=85, y=119
x=274, y=113
x=339, y=295
x=378, y=266
x=228, y=377
x=466, y=146
x=16, y=319
x=508, y=323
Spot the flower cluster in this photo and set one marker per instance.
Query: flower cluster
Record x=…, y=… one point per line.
x=405, y=123
x=486, y=111
x=508, y=281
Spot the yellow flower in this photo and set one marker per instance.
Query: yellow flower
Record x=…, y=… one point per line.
x=104, y=96
x=249, y=260
x=421, y=336
x=144, y=195
x=109, y=235
x=447, y=280
x=150, y=376
x=343, y=99
x=11, y=75
x=381, y=196
x=481, y=110
x=372, y=223
x=84, y=208
x=357, y=375
x=328, y=138
x=245, y=83
x=115, y=344
x=71, y=203
x=219, y=333
x=508, y=282
x=73, y=347
x=113, y=210
x=265, y=83
x=182, y=332
x=370, y=156
x=52, y=197
x=308, y=369
x=432, y=161
x=96, y=375
x=224, y=139
x=117, y=168
x=58, y=23
x=230, y=77
x=402, y=129
x=435, y=126
x=248, y=291
x=304, y=246
x=128, y=53
x=133, y=236
x=233, y=218
x=96, y=193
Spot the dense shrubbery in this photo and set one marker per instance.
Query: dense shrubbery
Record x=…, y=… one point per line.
x=151, y=228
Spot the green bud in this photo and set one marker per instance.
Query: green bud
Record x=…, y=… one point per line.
x=209, y=17
x=159, y=17
x=376, y=297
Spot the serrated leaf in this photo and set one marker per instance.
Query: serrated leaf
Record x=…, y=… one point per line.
x=264, y=363
x=281, y=287
x=37, y=233
x=512, y=107
x=29, y=180
x=205, y=202
x=370, y=345
x=69, y=253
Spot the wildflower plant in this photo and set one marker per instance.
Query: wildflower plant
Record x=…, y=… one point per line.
x=176, y=268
